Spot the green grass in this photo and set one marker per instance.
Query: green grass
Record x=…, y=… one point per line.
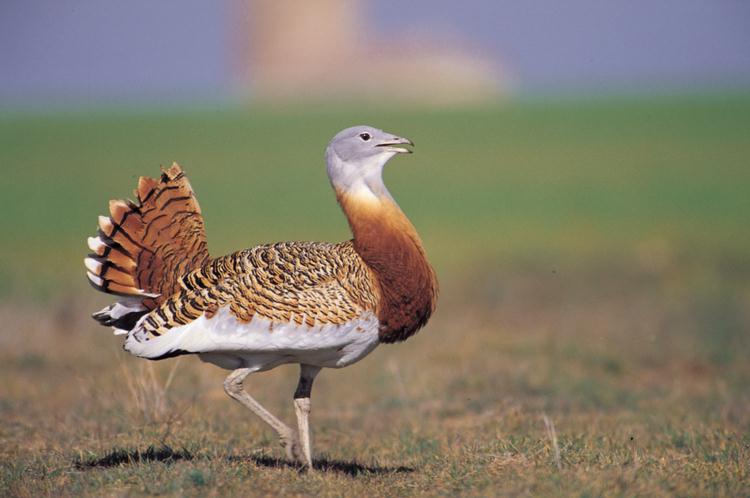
x=594, y=268
x=532, y=181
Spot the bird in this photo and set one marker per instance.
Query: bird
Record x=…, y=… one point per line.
x=315, y=304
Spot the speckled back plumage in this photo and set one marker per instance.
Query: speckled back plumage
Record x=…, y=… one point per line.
x=303, y=282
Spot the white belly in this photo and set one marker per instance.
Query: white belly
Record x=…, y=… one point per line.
x=260, y=345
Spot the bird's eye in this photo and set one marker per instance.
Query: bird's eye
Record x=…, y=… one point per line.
x=365, y=136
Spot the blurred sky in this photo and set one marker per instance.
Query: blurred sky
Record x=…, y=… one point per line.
x=172, y=51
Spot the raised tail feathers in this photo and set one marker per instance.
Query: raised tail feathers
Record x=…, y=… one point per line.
x=142, y=248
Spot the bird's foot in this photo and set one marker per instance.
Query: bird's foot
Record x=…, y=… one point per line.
x=290, y=443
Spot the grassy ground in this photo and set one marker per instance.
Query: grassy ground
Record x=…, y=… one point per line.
x=591, y=339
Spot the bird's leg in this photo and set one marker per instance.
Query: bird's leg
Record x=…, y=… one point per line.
x=233, y=385
x=302, y=409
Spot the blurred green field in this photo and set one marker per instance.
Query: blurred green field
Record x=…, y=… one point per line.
x=591, y=338
x=519, y=182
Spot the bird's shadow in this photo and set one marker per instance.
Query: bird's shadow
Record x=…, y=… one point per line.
x=324, y=464
x=165, y=454
x=120, y=456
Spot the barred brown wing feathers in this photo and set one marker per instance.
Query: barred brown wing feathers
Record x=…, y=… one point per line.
x=302, y=282
x=143, y=247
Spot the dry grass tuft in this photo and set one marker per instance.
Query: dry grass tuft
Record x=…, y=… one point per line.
x=149, y=395
x=549, y=426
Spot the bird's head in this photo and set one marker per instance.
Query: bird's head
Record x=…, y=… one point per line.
x=356, y=156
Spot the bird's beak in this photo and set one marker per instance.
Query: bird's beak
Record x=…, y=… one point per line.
x=389, y=144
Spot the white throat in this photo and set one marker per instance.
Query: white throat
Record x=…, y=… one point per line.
x=362, y=177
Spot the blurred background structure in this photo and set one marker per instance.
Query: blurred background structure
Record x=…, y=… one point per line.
x=327, y=50
x=580, y=181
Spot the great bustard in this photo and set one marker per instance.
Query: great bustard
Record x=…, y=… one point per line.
x=315, y=304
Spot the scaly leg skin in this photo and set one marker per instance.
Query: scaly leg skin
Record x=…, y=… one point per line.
x=302, y=410
x=234, y=388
